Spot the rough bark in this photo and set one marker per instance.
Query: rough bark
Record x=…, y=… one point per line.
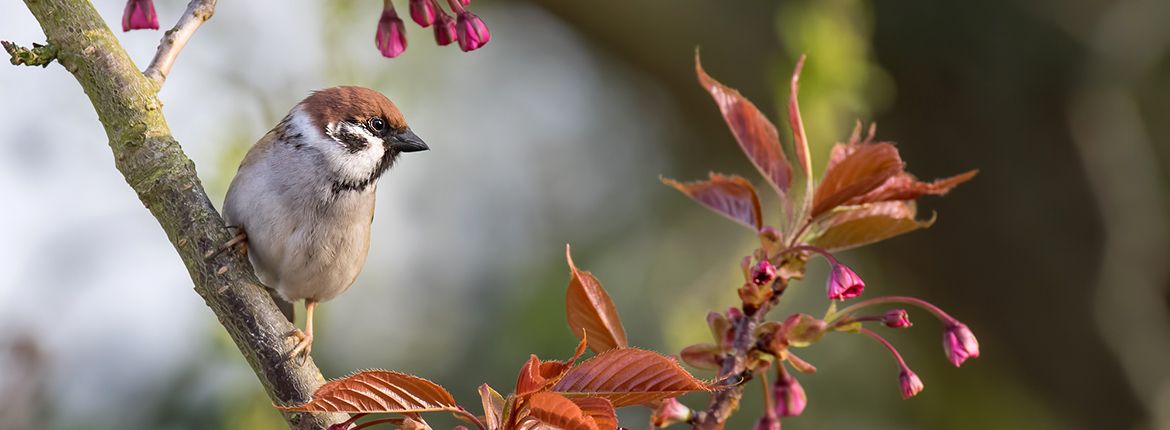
x=165, y=180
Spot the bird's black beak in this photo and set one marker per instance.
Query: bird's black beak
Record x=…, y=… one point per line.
x=406, y=141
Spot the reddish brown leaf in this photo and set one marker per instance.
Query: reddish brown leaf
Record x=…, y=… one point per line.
x=379, y=391
x=591, y=312
x=799, y=139
x=841, y=150
x=493, y=407
x=730, y=196
x=536, y=375
x=859, y=172
x=862, y=225
x=905, y=186
x=559, y=412
x=600, y=410
x=755, y=134
x=529, y=381
x=629, y=376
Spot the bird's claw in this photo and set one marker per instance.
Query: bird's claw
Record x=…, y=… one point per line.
x=304, y=344
x=240, y=240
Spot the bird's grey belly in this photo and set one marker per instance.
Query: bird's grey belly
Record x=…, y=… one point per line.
x=309, y=261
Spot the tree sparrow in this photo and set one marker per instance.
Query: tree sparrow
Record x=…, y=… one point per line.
x=303, y=198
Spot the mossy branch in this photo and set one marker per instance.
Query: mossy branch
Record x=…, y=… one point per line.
x=165, y=180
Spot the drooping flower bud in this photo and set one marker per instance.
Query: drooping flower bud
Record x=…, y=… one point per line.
x=768, y=422
x=473, y=33
x=670, y=411
x=763, y=273
x=391, y=36
x=959, y=343
x=444, y=29
x=789, y=395
x=844, y=283
x=423, y=12
x=909, y=382
x=139, y=14
x=897, y=318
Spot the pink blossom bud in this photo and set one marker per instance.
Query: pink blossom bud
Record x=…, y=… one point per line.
x=763, y=273
x=789, y=395
x=473, y=33
x=897, y=318
x=959, y=343
x=910, y=383
x=670, y=411
x=768, y=422
x=139, y=14
x=444, y=29
x=843, y=283
x=391, y=36
x=422, y=12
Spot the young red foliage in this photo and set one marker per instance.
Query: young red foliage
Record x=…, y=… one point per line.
x=629, y=376
x=858, y=173
x=590, y=311
x=536, y=375
x=493, y=407
x=730, y=196
x=600, y=410
x=755, y=134
x=379, y=391
x=558, y=411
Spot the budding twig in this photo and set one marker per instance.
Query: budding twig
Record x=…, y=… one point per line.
x=198, y=12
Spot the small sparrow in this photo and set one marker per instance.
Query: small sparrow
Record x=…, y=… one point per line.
x=303, y=198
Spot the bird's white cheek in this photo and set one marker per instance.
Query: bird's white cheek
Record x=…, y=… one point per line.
x=354, y=165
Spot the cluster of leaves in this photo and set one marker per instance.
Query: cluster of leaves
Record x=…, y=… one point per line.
x=549, y=394
x=864, y=196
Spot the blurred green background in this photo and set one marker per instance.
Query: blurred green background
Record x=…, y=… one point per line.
x=1057, y=255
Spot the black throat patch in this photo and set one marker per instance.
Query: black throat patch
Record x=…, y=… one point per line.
x=340, y=186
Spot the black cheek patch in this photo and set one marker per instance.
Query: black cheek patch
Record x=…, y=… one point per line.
x=351, y=140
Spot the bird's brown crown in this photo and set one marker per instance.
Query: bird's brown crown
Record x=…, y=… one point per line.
x=349, y=103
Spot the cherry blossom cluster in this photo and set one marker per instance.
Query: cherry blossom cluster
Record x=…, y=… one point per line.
x=466, y=28
x=458, y=26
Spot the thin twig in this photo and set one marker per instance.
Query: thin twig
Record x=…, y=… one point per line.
x=198, y=12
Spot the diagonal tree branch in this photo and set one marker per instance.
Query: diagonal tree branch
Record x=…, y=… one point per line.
x=165, y=180
x=198, y=12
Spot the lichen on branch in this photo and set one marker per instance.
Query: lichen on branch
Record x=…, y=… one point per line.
x=38, y=55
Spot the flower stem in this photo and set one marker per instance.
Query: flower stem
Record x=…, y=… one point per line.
x=826, y=254
x=885, y=343
x=946, y=318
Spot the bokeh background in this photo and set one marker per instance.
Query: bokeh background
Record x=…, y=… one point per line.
x=1057, y=255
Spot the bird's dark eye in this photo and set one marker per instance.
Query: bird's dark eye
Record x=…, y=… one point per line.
x=377, y=125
